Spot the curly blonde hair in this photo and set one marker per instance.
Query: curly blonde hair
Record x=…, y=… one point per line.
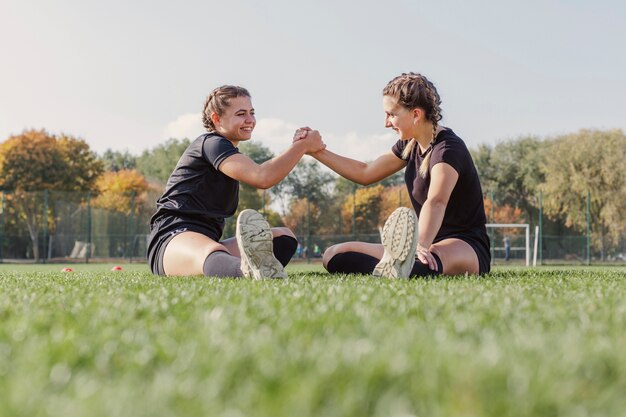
x=413, y=90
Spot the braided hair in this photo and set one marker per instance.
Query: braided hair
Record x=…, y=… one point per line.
x=413, y=90
x=218, y=101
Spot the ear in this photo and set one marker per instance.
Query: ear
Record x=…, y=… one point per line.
x=215, y=119
x=418, y=114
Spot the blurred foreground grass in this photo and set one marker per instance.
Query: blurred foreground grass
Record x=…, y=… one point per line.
x=518, y=342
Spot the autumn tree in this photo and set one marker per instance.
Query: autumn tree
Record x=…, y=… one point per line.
x=35, y=161
x=308, y=184
x=590, y=161
x=393, y=197
x=120, y=191
x=502, y=213
x=364, y=207
x=297, y=218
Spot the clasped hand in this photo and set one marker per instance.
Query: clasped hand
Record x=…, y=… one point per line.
x=314, y=138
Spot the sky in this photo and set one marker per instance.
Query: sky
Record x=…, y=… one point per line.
x=128, y=75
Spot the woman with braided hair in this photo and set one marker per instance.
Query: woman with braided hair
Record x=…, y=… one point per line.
x=204, y=189
x=448, y=235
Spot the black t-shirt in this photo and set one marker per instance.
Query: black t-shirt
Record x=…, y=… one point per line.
x=465, y=212
x=196, y=188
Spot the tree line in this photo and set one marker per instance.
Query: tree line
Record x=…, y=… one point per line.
x=519, y=176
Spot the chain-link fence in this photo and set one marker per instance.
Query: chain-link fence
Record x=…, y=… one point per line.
x=50, y=226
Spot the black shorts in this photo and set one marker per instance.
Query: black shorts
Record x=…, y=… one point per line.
x=166, y=227
x=480, y=244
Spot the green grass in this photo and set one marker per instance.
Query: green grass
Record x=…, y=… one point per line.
x=519, y=342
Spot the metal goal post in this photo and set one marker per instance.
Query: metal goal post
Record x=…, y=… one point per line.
x=526, y=226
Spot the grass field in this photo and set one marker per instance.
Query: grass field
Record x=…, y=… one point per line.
x=518, y=342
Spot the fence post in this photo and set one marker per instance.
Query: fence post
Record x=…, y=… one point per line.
x=88, y=249
x=263, y=206
x=131, y=229
x=45, y=225
x=493, y=210
x=588, y=228
x=308, y=226
x=2, y=229
x=540, y=227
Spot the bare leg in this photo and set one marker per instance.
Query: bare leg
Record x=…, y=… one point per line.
x=457, y=256
x=372, y=249
x=186, y=252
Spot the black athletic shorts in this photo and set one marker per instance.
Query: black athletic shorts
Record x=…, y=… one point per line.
x=480, y=244
x=166, y=227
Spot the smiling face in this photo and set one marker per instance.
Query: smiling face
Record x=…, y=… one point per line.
x=237, y=122
x=399, y=118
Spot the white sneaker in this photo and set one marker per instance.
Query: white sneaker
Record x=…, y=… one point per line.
x=255, y=241
x=399, y=238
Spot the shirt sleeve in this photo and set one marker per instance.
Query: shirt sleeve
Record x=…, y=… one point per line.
x=398, y=148
x=216, y=149
x=451, y=153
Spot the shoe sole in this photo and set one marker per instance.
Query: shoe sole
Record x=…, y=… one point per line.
x=399, y=239
x=255, y=241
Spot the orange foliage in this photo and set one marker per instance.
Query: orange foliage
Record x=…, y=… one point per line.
x=297, y=218
x=503, y=213
x=116, y=190
x=367, y=211
x=36, y=160
x=392, y=198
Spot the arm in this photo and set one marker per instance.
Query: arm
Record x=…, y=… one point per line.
x=361, y=172
x=270, y=173
x=443, y=178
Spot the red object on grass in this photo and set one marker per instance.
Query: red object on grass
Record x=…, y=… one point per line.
x=67, y=270
x=116, y=268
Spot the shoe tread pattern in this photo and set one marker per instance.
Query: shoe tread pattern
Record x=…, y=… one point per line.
x=255, y=242
x=398, y=238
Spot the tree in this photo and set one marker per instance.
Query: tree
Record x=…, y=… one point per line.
x=590, y=161
x=297, y=218
x=307, y=180
x=502, y=213
x=35, y=161
x=393, y=197
x=365, y=208
x=116, y=161
x=158, y=163
x=512, y=171
x=120, y=191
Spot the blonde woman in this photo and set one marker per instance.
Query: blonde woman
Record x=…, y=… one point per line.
x=446, y=233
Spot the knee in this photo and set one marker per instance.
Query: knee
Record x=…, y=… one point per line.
x=213, y=247
x=282, y=231
x=331, y=251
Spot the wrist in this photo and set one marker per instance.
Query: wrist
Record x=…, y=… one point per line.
x=421, y=246
x=316, y=154
x=300, y=145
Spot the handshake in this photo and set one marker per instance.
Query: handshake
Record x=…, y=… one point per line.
x=310, y=138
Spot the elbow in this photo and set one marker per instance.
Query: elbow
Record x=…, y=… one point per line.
x=265, y=185
x=264, y=182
